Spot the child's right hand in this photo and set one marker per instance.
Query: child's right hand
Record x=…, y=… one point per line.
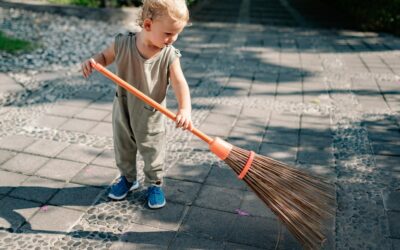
x=86, y=68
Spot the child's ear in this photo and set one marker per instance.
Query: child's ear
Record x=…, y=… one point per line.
x=147, y=24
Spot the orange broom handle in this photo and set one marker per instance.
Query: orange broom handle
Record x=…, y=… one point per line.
x=145, y=98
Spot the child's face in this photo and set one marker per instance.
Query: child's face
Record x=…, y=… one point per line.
x=164, y=30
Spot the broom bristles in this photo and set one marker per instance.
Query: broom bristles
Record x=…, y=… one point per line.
x=303, y=202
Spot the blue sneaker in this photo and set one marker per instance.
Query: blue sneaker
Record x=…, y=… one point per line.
x=121, y=189
x=155, y=197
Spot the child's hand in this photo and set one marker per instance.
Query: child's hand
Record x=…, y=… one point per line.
x=86, y=68
x=183, y=119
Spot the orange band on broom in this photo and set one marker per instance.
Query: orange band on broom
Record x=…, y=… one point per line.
x=247, y=166
x=301, y=201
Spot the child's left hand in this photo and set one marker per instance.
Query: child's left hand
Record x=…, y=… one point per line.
x=183, y=119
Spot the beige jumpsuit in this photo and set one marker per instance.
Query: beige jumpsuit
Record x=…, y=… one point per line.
x=136, y=125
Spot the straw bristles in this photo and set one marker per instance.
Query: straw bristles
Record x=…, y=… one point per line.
x=303, y=202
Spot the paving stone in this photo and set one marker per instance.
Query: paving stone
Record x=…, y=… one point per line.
x=315, y=141
x=189, y=172
x=52, y=218
x=255, y=206
x=80, y=153
x=8, y=84
x=92, y=114
x=223, y=109
x=288, y=241
x=16, y=142
x=225, y=177
x=254, y=231
x=51, y=121
x=108, y=118
x=37, y=189
x=315, y=155
x=46, y=148
x=385, y=148
x=106, y=159
x=387, y=163
x=235, y=246
x=60, y=169
x=14, y=212
x=223, y=199
x=76, y=197
x=394, y=224
x=283, y=153
x=102, y=129
x=102, y=105
x=208, y=223
x=144, y=237
x=180, y=191
x=395, y=244
x=24, y=163
x=169, y=217
x=9, y=180
x=63, y=110
x=184, y=241
x=75, y=103
x=282, y=138
x=6, y=155
x=391, y=200
x=96, y=176
x=78, y=125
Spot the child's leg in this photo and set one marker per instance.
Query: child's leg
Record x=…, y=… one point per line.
x=152, y=148
x=124, y=142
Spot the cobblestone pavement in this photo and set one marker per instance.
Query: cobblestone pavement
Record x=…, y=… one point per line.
x=260, y=76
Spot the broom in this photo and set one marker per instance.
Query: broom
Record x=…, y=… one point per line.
x=303, y=202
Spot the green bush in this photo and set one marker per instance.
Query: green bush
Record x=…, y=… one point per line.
x=13, y=45
x=376, y=15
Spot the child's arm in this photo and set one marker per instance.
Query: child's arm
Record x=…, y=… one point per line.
x=181, y=89
x=105, y=58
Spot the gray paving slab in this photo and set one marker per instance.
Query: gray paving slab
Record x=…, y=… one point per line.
x=75, y=196
x=185, y=241
x=219, y=198
x=60, y=169
x=105, y=158
x=51, y=121
x=46, y=148
x=179, y=191
x=37, y=189
x=78, y=125
x=6, y=155
x=15, y=212
x=224, y=177
x=79, y=153
x=394, y=224
x=9, y=84
x=170, y=217
x=208, y=223
x=391, y=200
x=24, y=163
x=102, y=129
x=16, y=142
x=95, y=176
x=254, y=231
x=10, y=180
x=144, y=237
x=92, y=114
x=189, y=172
x=53, y=219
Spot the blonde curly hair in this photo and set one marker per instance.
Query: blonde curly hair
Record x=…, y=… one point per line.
x=152, y=9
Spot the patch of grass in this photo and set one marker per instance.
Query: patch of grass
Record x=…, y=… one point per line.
x=86, y=3
x=13, y=45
